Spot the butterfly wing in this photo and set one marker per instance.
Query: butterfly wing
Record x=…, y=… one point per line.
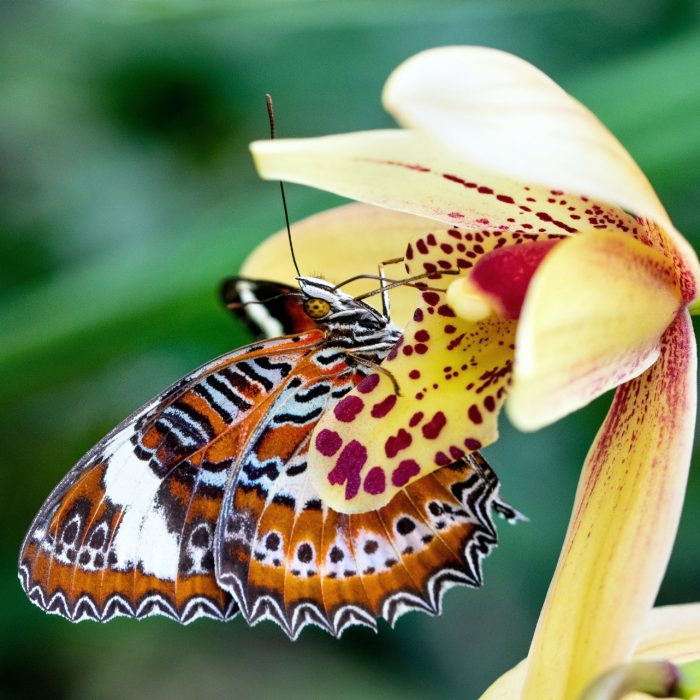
x=269, y=309
x=130, y=530
x=288, y=558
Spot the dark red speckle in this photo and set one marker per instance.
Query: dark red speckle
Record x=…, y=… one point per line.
x=348, y=408
x=395, y=350
x=398, y=442
x=418, y=315
x=433, y=427
x=456, y=453
x=416, y=418
x=475, y=414
x=368, y=384
x=414, y=374
x=347, y=468
x=422, y=336
x=379, y=410
x=472, y=444
x=431, y=298
x=328, y=442
x=421, y=348
x=404, y=472
x=543, y=216
x=375, y=481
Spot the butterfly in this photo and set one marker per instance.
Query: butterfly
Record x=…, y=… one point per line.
x=200, y=503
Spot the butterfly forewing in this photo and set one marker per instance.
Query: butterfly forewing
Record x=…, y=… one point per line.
x=131, y=529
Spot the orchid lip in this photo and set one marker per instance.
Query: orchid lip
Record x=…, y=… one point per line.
x=499, y=281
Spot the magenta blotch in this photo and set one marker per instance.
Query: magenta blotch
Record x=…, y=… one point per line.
x=404, y=472
x=379, y=410
x=368, y=384
x=396, y=443
x=433, y=427
x=348, y=467
x=375, y=481
x=347, y=409
x=328, y=442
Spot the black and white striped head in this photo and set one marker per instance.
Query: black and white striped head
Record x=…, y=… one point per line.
x=330, y=307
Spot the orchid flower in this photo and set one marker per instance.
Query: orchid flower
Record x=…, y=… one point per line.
x=514, y=201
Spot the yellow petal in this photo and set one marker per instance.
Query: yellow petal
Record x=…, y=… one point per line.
x=401, y=170
x=340, y=243
x=622, y=528
x=451, y=376
x=669, y=632
x=592, y=319
x=496, y=111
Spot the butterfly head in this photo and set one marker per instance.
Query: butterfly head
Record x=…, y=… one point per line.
x=322, y=300
x=341, y=313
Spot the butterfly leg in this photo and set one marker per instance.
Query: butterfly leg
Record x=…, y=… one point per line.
x=386, y=309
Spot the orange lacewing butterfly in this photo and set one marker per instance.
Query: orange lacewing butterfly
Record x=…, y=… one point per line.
x=199, y=503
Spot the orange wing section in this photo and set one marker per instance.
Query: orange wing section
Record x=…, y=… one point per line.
x=307, y=564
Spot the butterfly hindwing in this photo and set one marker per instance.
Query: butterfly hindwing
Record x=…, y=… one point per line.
x=298, y=562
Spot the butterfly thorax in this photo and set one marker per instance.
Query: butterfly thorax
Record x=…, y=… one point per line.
x=349, y=322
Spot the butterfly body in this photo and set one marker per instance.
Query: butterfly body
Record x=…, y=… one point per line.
x=201, y=503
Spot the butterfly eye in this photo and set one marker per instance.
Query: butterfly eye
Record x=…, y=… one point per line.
x=317, y=308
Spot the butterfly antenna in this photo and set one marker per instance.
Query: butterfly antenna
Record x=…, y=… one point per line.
x=271, y=117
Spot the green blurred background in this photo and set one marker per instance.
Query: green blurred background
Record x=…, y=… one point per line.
x=127, y=192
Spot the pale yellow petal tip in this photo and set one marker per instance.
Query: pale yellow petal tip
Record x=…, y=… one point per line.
x=467, y=301
x=519, y=409
x=260, y=150
x=436, y=60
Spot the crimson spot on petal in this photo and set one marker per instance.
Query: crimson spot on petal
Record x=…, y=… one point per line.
x=368, y=384
x=347, y=468
x=379, y=410
x=347, y=409
x=475, y=414
x=375, y=481
x=433, y=427
x=404, y=472
x=395, y=443
x=328, y=442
